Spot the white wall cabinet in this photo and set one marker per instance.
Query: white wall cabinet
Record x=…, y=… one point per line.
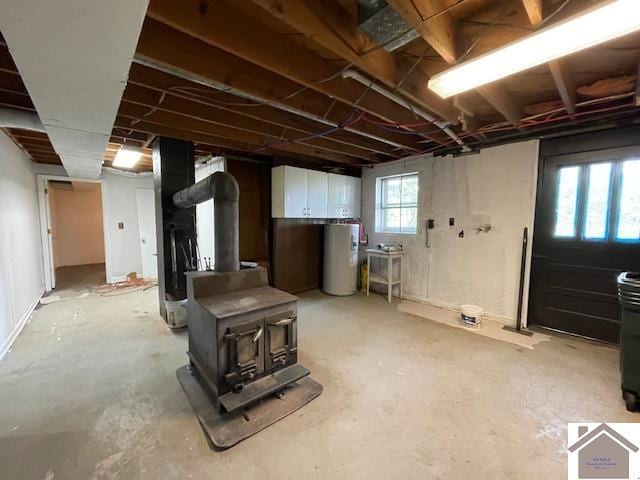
x=344, y=196
x=298, y=193
x=301, y=193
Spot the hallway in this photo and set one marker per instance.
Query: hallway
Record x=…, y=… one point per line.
x=79, y=277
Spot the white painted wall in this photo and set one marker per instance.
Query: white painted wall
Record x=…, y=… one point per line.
x=21, y=274
x=122, y=249
x=204, y=210
x=496, y=186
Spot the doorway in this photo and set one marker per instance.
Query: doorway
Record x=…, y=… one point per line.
x=76, y=234
x=587, y=231
x=145, y=204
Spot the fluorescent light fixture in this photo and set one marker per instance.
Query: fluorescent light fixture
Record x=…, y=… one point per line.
x=127, y=157
x=597, y=25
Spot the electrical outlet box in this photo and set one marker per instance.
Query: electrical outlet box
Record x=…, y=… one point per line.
x=452, y=221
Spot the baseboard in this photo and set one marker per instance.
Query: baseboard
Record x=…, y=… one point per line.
x=455, y=308
x=23, y=321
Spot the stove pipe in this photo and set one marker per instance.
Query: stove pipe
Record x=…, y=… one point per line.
x=223, y=188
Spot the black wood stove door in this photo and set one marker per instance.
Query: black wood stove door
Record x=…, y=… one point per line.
x=280, y=344
x=587, y=231
x=245, y=347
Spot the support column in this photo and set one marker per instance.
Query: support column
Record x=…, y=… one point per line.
x=173, y=170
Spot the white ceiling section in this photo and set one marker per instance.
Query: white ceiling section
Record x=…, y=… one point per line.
x=74, y=58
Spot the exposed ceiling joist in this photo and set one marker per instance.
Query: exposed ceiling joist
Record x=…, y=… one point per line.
x=502, y=101
x=564, y=83
x=534, y=10
x=559, y=71
x=431, y=20
x=166, y=48
x=219, y=27
x=153, y=101
x=129, y=118
x=332, y=27
x=193, y=94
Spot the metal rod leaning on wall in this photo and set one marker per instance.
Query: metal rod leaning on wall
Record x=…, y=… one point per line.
x=523, y=264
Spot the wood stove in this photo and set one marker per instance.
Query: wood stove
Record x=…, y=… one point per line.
x=242, y=336
x=243, y=348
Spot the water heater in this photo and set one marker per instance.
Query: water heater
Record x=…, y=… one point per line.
x=341, y=258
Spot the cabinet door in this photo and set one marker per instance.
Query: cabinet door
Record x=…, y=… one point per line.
x=353, y=197
x=295, y=192
x=317, y=194
x=337, y=198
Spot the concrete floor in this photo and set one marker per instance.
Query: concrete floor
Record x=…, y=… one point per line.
x=89, y=392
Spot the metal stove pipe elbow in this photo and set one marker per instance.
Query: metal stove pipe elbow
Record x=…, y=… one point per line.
x=223, y=188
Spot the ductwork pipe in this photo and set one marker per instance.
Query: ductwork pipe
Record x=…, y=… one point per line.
x=444, y=126
x=223, y=188
x=13, y=118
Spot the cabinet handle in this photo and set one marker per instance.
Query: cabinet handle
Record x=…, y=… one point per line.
x=308, y=212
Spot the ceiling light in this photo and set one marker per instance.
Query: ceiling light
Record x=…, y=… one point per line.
x=597, y=25
x=127, y=157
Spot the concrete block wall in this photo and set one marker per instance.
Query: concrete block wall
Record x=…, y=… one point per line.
x=496, y=186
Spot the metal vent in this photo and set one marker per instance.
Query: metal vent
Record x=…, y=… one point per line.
x=384, y=25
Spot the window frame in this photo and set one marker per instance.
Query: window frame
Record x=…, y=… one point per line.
x=380, y=205
x=615, y=191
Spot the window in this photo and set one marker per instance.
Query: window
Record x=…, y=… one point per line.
x=567, y=202
x=397, y=203
x=628, y=228
x=599, y=202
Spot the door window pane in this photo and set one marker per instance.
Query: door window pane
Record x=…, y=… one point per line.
x=595, y=226
x=629, y=210
x=567, y=201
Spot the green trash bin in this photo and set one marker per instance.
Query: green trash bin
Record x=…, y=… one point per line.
x=629, y=298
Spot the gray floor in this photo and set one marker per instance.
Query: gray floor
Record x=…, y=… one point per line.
x=89, y=392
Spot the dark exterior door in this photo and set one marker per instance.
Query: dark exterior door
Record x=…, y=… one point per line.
x=587, y=231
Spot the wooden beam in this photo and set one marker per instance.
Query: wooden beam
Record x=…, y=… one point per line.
x=152, y=100
x=332, y=27
x=559, y=70
x=564, y=83
x=435, y=26
x=438, y=30
x=534, y=10
x=217, y=24
x=194, y=120
x=172, y=50
x=197, y=131
x=195, y=94
x=501, y=100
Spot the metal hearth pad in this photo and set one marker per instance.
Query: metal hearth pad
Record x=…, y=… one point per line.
x=224, y=430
